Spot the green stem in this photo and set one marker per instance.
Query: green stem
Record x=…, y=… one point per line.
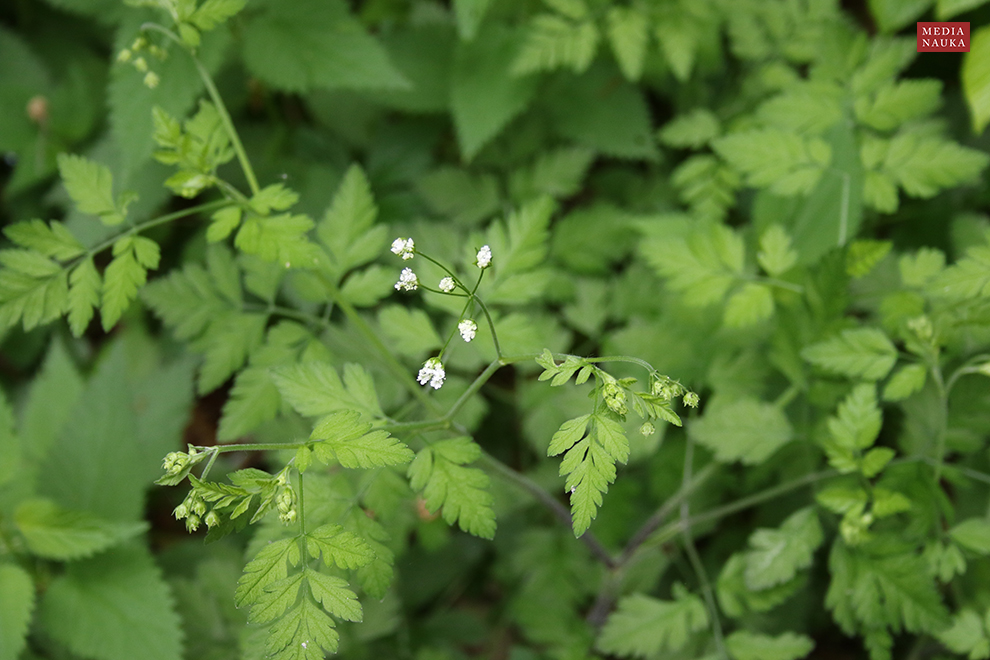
x=264, y=446
x=211, y=89
x=672, y=530
x=491, y=324
x=695, y=558
x=943, y=396
x=154, y=222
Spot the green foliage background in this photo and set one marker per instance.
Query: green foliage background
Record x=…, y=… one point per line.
x=778, y=205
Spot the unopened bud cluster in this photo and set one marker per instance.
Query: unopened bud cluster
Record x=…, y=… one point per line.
x=285, y=502
x=133, y=56
x=614, y=395
x=193, y=510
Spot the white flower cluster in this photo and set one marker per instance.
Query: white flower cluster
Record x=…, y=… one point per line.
x=468, y=329
x=484, y=258
x=404, y=247
x=407, y=281
x=447, y=284
x=432, y=373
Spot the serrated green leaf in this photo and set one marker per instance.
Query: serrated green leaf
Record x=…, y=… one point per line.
x=213, y=12
x=85, y=287
x=976, y=78
x=333, y=594
x=17, y=601
x=842, y=499
x=121, y=281
x=745, y=645
x=275, y=599
x=703, y=266
x=225, y=221
x=778, y=554
x=268, y=566
x=107, y=606
x=776, y=255
x=967, y=635
x=967, y=278
x=895, y=103
x=809, y=108
x=310, y=44
x=558, y=173
x=907, y=380
x=253, y=400
x=33, y=289
x=692, y=129
x=785, y=163
x=347, y=228
x=570, y=432
x=91, y=187
x=410, y=331
x=56, y=533
x=375, y=449
x=314, y=389
x=748, y=306
x=51, y=239
x=888, y=502
x=863, y=255
x=875, y=460
x=338, y=547
x=280, y=238
x=228, y=341
x=305, y=633
x=885, y=591
x=628, y=36
x=738, y=600
x=52, y=396
x=644, y=627
x=923, y=164
x=746, y=430
x=590, y=467
x=858, y=421
x=857, y=353
x=973, y=534
x=919, y=268
x=484, y=96
x=461, y=491
x=892, y=15
x=553, y=42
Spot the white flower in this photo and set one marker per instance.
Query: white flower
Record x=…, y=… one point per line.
x=484, y=258
x=432, y=373
x=407, y=281
x=467, y=328
x=403, y=247
x=447, y=284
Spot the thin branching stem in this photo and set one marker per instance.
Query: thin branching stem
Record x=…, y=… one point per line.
x=695, y=558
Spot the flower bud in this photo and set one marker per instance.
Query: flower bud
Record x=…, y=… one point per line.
x=141, y=64
x=647, y=429
x=151, y=80
x=192, y=523
x=691, y=400
x=181, y=511
x=288, y=517
x=199, y=507
x=124, y=56
x=212, y=519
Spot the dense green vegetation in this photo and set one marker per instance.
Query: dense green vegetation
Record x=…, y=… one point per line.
x=505, y=328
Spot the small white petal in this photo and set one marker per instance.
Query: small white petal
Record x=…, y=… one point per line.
x=447, y=284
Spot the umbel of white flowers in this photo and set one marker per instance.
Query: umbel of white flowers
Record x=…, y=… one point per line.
x=432, y=373
x=468, y=329
x=407, y=281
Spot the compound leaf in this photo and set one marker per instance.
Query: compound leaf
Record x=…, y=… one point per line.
x=778, y=554
x=62, y=534
x=17, y=601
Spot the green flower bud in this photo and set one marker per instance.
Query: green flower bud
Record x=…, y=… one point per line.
x=921, y=326
x=175, y=462
x=181, y=511
x=151, y=80
x=199, y=507
x=212, y=519
x=141, y=64
x=288, y=517
x=647, y=429
x=691, y=400
x=139, y=43
x=192, y=523
x=124, y=56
